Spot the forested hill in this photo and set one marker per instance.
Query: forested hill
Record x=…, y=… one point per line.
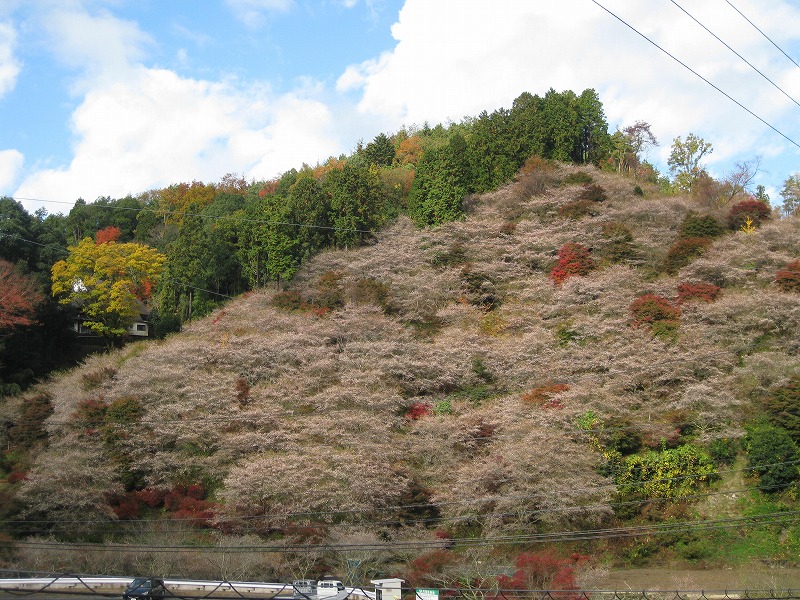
x=472, y=365
x=220, y=239
x=579, y=355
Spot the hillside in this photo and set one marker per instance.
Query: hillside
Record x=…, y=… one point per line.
x=435, y=386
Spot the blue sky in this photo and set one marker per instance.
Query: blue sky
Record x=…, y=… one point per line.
x=110, y=97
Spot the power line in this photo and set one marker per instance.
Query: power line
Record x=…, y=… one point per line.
x=249, y=523
x=162, y=278
x=762, y=33
x=683, y=64
x=767, y=519
x=493, y=498
x=181, y=213
x=775, y=85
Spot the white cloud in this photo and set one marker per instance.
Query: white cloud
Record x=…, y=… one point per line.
x=9, y=65
x=449, y=63
x=103, y=47
x=156, y=128
x=252, y=12
x=10, y=166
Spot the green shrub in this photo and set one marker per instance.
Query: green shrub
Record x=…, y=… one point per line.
x=577, y=178
x=683, y=251
x=620, y=435
x=650, y=309
x=638, y=191
x=289, y=300
x=723, y=450
x=124, y=411
x=455, y=255
x=783, y=407
x=443, y=407
x=369, y=290
x=593, y=193
x=666, y=474
x=772, y=455
x=481, y=371
x=700, y=226
x=29, y=428
x=480, y=288
x=329, y=293
x=619, y=246
x=578, y=209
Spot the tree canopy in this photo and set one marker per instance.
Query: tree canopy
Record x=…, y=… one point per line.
x=109, y=282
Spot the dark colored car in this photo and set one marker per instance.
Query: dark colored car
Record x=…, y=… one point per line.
x=144, y=588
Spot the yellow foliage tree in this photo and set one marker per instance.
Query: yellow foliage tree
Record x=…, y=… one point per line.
x=176, y=199
x=109, y=282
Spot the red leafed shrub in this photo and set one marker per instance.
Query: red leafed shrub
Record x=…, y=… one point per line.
x=543, y=571
x=429, y=564
x=708, y=292
x=126, y=507
x=545, y=396
x=17, y=476
x=197, y=512
x=172, y=500
x=755, y=209
x=196, y=491
x=109, y=234
x=419, y=410
x=152, y=497
x=650, y=309
x=320, y=311
x=573, y=259
x=90, y=415
x=788, y=279
x=441, y=534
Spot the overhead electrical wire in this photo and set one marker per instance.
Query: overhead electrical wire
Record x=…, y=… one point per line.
x=767, y=519
x=166, y=279
x=480, y=500
x=751, y=65
x=182, y=213
x=251, y=523
x=762, y=33
x=684, y=65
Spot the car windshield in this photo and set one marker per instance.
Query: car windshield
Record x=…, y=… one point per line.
x=139, y=584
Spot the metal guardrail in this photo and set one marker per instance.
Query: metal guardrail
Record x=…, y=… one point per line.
x=198, y=590
x=175, y=588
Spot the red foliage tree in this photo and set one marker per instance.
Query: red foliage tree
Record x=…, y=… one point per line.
x=109, y=234
x=573, y=259
x=19, y=296
x=788, y=279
